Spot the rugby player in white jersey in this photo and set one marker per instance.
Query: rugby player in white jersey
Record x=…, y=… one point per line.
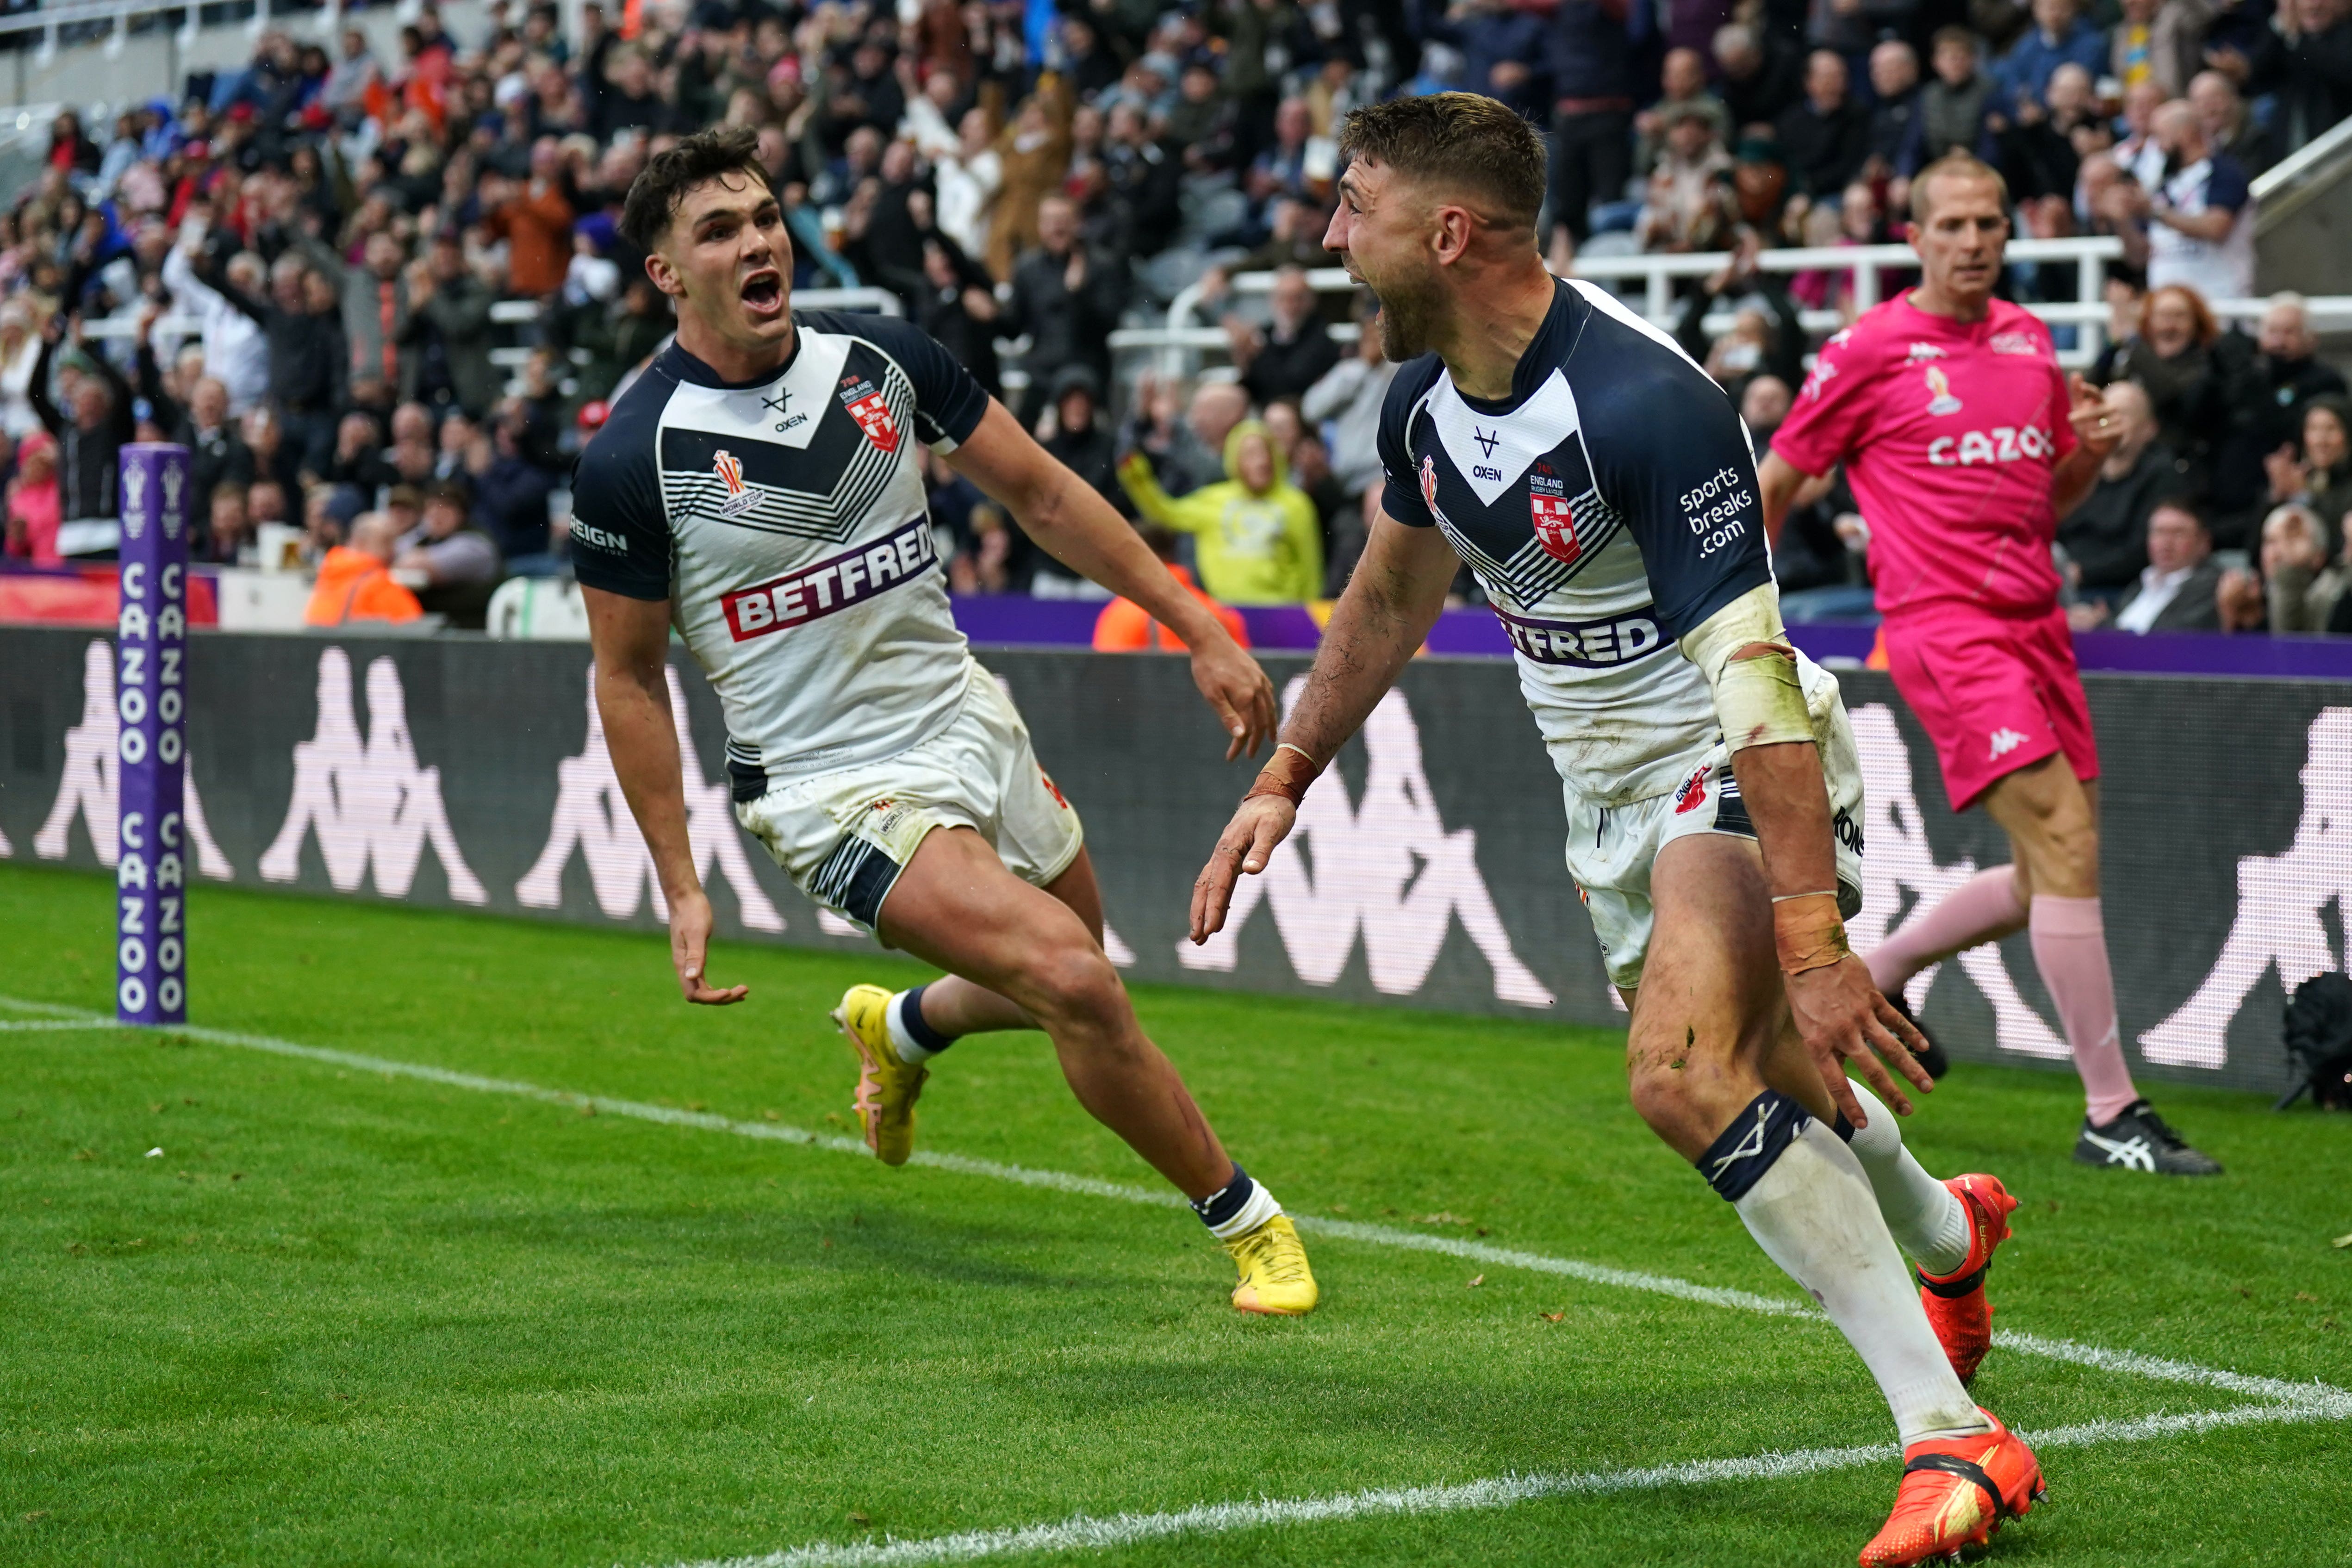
x=758, y=488
x=1602, y=489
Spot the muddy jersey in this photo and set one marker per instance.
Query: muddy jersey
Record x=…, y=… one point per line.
x=1607, y=507
x=786, y=522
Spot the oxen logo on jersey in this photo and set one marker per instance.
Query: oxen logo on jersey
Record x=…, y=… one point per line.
x=866, y=406
x=740, y=499
x=1548, y=510
x=1939, y=392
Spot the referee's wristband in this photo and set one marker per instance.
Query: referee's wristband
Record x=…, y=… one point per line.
x=1287, y=774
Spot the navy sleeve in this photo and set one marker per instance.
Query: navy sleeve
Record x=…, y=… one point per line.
x=1671, y=458
x=949, y=404
x=2225, y=188
x=620, y=530
x=1401, y=497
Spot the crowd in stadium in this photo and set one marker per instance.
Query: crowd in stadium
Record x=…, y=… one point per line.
x=356, y=237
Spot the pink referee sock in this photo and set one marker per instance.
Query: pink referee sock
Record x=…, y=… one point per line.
x=1983, y=907
x=2070, y=947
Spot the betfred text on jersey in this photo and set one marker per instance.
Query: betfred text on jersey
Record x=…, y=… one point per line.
x=1591, y=645
x=2002, y=443
x=838, y=584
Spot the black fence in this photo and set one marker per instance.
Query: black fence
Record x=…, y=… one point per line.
x=449, y=772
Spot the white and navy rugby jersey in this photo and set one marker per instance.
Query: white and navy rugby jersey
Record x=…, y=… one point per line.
x=1608, y=507
x=786, y=523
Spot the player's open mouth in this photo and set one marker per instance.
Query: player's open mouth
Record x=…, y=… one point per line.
x=763, y=291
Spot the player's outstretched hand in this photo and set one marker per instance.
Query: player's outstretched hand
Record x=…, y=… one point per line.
x=1238, y=692
x=690, y=948
x=1846, y=1023
x=1243, y=849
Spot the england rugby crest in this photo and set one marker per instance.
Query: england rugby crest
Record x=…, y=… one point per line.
x=134, y=500
x=866, y=404
x=741, y=498
x=1548, y=511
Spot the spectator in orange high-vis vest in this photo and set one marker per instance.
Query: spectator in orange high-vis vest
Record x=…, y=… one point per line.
x=355, y=581
x=1123, y=628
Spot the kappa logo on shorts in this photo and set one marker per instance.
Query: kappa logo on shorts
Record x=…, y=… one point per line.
x=740, y=499
x=2004, y=741
x=1693, y=794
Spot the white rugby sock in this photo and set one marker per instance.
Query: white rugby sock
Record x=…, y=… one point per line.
x=1813, y=1214
x=1926, y=1217
x=916, y=1042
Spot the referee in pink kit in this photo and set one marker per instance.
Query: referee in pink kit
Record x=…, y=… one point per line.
x=1965, y=443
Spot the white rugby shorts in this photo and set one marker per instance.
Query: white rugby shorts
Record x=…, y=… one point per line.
x=844, y=837
x=1611, y=848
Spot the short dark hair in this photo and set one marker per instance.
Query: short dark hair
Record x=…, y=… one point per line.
x=655, y=193
x=1955, y=164
x=1462, y=141
x=2186, y=505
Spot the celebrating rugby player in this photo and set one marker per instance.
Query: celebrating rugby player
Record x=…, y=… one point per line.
x=1965, y=445
x=758, y=488
x=1601, y=487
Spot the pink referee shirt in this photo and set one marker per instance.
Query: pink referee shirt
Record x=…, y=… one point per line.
x=1950, y=432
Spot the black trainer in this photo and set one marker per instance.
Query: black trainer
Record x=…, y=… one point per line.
x=1933, y=1058
x=2140, y=1139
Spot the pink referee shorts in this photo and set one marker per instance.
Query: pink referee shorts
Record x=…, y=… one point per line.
x=1997, y=693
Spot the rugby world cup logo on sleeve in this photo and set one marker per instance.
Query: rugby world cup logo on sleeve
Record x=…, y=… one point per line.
x=866, y=406
x=741, y=498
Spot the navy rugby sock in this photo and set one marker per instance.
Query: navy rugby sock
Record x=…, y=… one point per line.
x=912, y=1036
x=1241, y=1205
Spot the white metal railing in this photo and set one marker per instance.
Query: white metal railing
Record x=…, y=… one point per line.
x=1658, y=270
x=1183, y=336
x=2305, y=159
x=47, y=20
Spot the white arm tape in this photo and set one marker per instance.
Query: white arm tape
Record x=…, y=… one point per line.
x=1760, y=701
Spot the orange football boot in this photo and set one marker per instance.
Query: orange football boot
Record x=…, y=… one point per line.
x=1956, y=1304
x=1955, y=1493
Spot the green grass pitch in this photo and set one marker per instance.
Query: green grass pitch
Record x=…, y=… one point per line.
x=347, y=1316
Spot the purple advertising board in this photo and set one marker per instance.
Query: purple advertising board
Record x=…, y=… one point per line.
x=151, y=983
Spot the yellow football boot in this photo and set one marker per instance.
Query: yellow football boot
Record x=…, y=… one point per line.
x=1274, y=1276
x=888, y=1087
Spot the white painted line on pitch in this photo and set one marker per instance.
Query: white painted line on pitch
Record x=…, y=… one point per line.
x=1085, y=1532
x=30, y=1024
x=2125, y=1363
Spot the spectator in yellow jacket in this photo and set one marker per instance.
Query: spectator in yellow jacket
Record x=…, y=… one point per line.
x=1258, y=538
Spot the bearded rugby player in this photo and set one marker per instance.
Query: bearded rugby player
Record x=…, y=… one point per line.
x=1602, y=488
x=758, y=488
x=1965, y=445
